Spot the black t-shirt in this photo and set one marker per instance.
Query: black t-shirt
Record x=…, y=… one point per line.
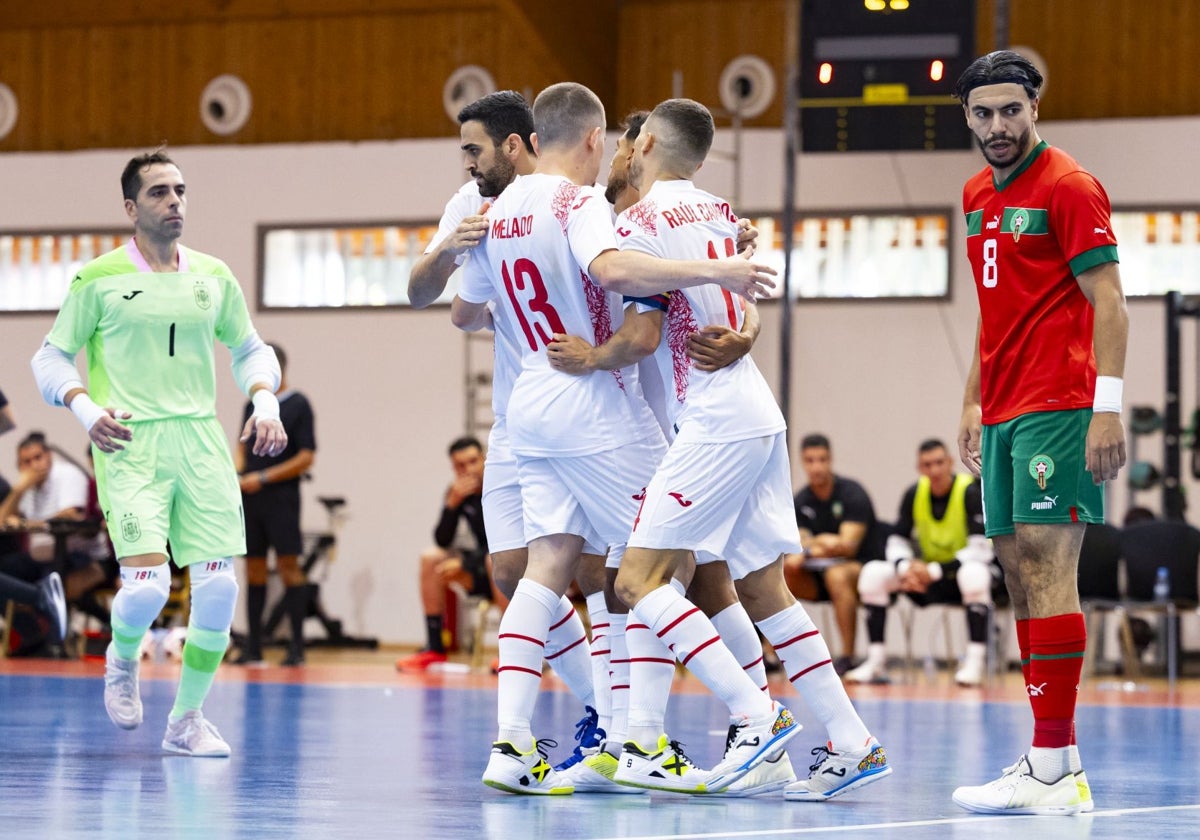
x=472, y=509
x=296, y=414
x=848, y=502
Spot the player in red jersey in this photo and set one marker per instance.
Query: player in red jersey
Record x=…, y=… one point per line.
x=1042, y=411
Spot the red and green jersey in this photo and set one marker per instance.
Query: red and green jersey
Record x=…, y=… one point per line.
x=1028, y=238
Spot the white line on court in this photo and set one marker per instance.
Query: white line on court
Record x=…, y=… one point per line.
x=790, y=832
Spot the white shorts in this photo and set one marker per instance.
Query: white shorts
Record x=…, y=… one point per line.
x=595, y=496
x=503, y=519
x=730, y=501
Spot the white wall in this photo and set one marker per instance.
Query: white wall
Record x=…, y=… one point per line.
x=387, y=386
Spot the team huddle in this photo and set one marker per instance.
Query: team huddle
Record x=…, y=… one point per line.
x=663, y=489
x=637, y=450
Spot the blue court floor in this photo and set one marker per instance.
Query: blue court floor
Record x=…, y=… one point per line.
x=396, y=756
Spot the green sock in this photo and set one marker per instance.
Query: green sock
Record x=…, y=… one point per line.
x=127, y=640
x=202, y=653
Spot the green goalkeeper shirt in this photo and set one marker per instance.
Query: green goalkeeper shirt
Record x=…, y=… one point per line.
x=149, y=335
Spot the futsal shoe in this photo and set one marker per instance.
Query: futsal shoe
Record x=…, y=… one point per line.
x=971, y=672
x=193, y=735
x=514, y=771
x=1018, y=791
x=122, y=700
x=53, y=603
x=596, y=774
x=420, y=661
x=1086, y=803
x=755, y=739
x=773, y=774
x=869, y=673
x=589, y=736
x=663, y=767
x=836, y=773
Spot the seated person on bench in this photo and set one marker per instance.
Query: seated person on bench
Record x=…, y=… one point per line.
x=51, y=487
x=457, y=558
x=942, y=515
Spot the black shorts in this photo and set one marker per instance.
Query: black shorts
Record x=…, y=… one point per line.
x=474, y=563
x=273, y=521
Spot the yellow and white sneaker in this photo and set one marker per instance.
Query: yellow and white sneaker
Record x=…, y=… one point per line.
x=514, y=771
x=663, y=767
x=1018, y=791
x=1086, y=803
x=596, y=772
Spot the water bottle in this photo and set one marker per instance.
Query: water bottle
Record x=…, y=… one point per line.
x=1162, y=585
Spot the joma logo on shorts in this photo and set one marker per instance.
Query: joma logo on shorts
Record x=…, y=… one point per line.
x=1047, y=503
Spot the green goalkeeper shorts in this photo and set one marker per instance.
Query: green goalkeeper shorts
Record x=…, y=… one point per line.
x=174, y=482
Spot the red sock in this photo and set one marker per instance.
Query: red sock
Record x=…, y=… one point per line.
x=1023, y=647
x=1056, y=647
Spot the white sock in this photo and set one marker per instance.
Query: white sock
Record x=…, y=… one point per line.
x=601, y=682
x=1050, y=763
x=651, y=672
x=1073, y=758
x=618, y=675
x=568, y=652
x=809, y=667
x=877, y=654
x=522, y=645
x=693, y=640
x=738, y=633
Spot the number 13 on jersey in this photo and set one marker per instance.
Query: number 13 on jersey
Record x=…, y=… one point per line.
x=523, y=276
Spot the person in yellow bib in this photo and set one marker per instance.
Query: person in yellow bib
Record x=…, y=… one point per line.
x=148, y=314
x=942, y=517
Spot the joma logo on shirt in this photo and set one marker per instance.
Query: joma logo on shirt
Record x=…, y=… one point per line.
x=1047, y=503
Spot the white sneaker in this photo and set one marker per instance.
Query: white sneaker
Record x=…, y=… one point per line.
x=971, y=672
x=836, y=773
x=1086, y=803
x=869, y=672
x=1018, y=791
x=514, y=771
x=755, y=739
x=596, y=773
x=195, y=736
x=773, y=774
x=662, y=767
x=122, y=700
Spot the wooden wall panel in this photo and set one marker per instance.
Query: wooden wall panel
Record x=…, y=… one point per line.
x=698, y=37
x=129, y=73
x=1107, y=58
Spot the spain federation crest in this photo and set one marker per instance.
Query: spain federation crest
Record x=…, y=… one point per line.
x=202, y=295
x=131, y=529
x=1041, y=467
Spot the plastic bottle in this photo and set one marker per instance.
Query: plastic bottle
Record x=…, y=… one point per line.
x=1162, y=585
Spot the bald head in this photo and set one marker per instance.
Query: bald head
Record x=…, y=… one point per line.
x=564, y=114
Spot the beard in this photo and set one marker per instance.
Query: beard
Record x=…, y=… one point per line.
x=614, y=188
x=1018, y=147
x=493, y=182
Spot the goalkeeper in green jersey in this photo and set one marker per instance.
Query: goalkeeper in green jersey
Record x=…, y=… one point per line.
x=147, y=314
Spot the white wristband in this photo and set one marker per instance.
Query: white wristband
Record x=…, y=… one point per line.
x=86, y=410
x=1109, y=390
x=266, y=405
x=936, y=572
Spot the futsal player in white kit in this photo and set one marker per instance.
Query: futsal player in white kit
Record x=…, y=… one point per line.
x=581, y=453
x=723, y=490
x=495, y=133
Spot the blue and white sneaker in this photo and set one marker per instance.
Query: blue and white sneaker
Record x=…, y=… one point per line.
x=835, y=773
x=588, y=736
x=753, y=740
